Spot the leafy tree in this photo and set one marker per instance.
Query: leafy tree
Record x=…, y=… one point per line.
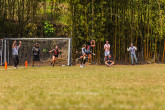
x=48, y=29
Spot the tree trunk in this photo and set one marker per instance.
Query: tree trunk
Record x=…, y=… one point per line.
x=115, y=31
x=163, y=52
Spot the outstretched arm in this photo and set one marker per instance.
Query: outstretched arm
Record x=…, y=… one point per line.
x=93, y=45
x=135, y=48
x=51, y=51
x=59, y=52
x=20, y=43
x=14, y=43
x=128, y=49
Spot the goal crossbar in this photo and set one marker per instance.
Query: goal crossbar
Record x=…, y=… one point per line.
x=37, y=38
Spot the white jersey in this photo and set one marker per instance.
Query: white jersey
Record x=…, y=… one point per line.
x=106, y=46
x=132, y=49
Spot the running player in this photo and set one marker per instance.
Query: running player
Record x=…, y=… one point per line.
x=88, y=49
x=83, y=60
x=55, y=52
x=36, y=54
x=15, y=49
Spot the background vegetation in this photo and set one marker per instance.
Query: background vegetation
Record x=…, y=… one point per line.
x=119, y=21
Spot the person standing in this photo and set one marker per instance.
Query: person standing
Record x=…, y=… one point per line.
x=36, y=54
x=132, y=49
x=15, y=50
x=107, y=49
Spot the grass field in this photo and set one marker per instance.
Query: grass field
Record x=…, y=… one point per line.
x=91, y=88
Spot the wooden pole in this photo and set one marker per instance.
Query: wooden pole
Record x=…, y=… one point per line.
x=163, y=52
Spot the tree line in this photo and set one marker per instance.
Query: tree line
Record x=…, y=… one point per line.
x=121, y=22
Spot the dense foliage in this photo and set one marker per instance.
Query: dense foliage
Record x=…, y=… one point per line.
x=119, y=21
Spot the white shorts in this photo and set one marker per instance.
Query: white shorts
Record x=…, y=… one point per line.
x=107, y=53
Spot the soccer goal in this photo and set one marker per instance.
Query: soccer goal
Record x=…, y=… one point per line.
x=45, y=44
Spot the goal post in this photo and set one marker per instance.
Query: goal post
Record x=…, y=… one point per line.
x=45, y=44
x=1, y=51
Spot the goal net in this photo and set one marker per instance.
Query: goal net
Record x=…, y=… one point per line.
x=45, y=44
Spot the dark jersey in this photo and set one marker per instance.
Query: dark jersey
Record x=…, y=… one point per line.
x=109, y=59
x=36, y=51
x=89, y=46
x=55, y=52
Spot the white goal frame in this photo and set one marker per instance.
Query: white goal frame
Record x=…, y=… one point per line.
x=4, y=47
x=1, y=48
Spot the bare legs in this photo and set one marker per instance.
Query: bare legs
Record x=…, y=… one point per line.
x=36, y=62
x=54, y=59
x=107, y=64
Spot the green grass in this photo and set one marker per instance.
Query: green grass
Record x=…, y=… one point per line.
x=90, y=88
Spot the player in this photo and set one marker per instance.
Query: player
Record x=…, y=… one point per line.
x=89, y=48
x=83, y=60
x=36, y=54
x=132, y=49
x=55, y=52
x=107, y=49
x=109, y=61
x=15, y=50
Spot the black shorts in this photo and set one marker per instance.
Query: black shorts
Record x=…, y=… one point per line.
x=56, y=56
x=15, y=57
x=109, y=62
x=36, y=58
x=88, y=52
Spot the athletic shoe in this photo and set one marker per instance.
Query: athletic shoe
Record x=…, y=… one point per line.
x=32, y=65
x=81, y=66
x=16, y=67
x=38, y=65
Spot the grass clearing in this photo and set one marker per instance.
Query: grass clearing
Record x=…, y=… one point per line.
x=93, y=87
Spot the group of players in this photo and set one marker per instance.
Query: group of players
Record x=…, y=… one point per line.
x=109, y=61
x=86, y=53
x=36, y=54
